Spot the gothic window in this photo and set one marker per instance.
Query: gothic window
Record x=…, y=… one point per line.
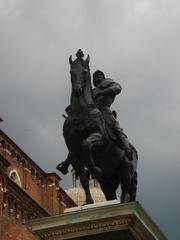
x=15, y=177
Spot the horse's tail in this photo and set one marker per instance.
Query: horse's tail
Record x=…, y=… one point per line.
x=133, y=188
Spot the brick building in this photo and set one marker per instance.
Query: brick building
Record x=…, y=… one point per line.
x=26, y=192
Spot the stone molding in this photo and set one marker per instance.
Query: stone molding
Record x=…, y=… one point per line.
x=87, y=229
x=98, y=218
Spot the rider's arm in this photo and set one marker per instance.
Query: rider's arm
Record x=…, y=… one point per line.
x=114, y=89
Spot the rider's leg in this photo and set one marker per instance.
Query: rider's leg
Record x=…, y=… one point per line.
x=119, y=135
x=122, y=139
x=128, y=150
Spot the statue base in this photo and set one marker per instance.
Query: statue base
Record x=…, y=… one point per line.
x=99, y=221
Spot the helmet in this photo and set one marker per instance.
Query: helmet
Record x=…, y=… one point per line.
x=96, y=74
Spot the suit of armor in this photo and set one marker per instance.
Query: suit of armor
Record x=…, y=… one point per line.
x=104, y=94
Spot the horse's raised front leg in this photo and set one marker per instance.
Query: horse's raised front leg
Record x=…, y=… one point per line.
x=94, y=139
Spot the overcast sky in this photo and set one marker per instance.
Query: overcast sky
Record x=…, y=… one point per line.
x=136, y=43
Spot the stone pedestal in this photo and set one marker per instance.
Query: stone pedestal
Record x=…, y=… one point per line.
x=108, y=221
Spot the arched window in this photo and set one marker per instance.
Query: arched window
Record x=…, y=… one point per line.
x=15, y=177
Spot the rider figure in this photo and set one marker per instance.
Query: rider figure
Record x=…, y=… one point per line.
x=104, y=94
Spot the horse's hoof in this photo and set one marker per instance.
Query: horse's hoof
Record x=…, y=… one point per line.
x=125, y=198
x=89, y=201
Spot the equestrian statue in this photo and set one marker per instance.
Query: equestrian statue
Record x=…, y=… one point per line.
x=93, y=135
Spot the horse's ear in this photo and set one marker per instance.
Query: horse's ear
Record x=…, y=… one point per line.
x=87, y=60
x=70, y=60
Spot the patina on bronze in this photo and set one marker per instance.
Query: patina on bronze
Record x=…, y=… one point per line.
x=93, y=136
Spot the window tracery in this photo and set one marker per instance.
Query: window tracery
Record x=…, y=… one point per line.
x=15, y=177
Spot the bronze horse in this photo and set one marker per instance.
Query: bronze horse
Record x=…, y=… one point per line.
x=91, y=147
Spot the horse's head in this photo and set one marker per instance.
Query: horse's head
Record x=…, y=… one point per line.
x=80, y=73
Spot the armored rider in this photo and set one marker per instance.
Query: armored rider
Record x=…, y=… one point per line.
x=104, y=94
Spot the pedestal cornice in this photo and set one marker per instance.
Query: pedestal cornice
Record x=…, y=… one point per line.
x=98, y=218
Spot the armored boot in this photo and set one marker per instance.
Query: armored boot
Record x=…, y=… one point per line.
x=63, y=166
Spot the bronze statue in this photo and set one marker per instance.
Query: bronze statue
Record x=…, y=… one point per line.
x=94, y=137
x=104, y=94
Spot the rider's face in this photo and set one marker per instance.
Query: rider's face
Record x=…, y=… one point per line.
x=98, y=79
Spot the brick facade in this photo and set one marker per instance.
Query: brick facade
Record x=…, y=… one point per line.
x=19, y=232
x=26, y=191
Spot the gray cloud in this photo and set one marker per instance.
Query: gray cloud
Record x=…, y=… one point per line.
x=134, y=42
